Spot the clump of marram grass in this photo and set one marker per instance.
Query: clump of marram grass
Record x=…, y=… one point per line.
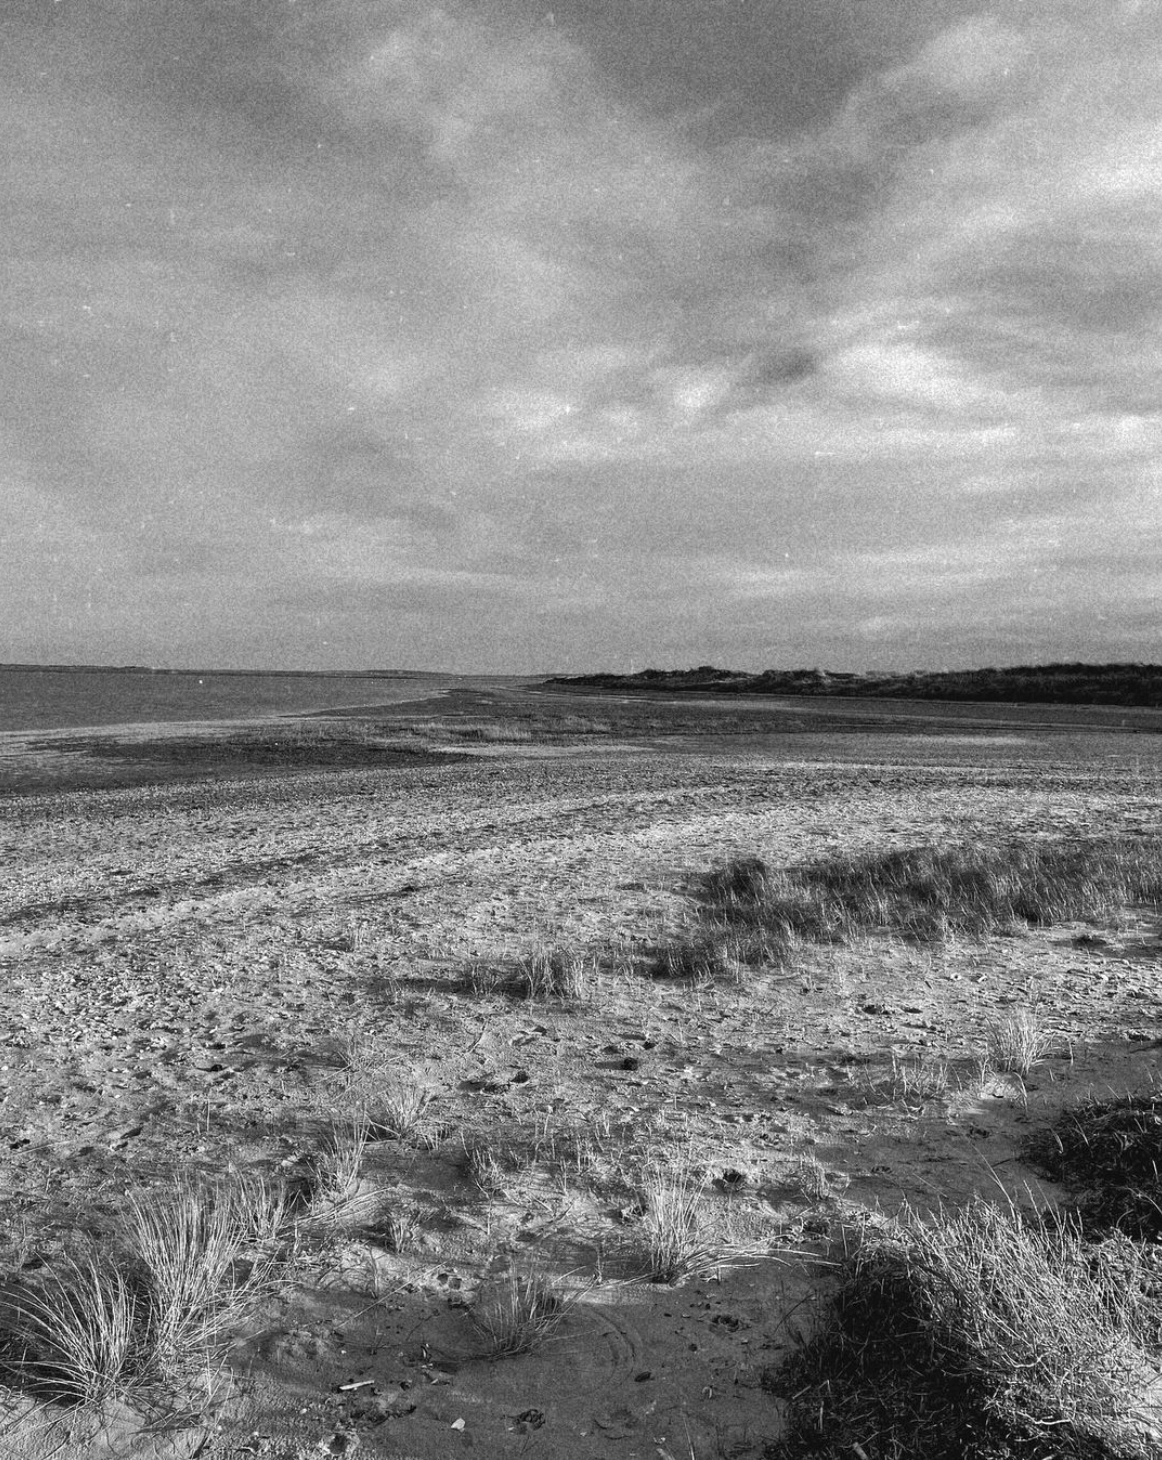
x=384, y=1099
x=144, y=1316
x=741, y=880
x=1109, y=1152
x=676, y=1239
x=491, y=1163
x=979, y=1334
x=520, y=1312
x=810, y=1178
x=920, y=1078
x=339, y=1165
x=929, y=893
x=551, y=971
x=338, y=1198
x=546, y=972
x=76, y=1338
x=694, y=957
x=190, y=1244
x=482, y=976
x=1017, y=1043
x=401, y=1226
x=675, y=1244
x=400, y=1109
x=483, y=1165
x=493, y=732
x=576, y=1150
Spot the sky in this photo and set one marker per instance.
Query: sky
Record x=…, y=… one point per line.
x=592, y=334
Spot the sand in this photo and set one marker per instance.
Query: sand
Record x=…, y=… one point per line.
x=199, y=974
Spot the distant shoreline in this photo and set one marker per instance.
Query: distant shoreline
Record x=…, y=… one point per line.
x=47, y=697
x=219, y=673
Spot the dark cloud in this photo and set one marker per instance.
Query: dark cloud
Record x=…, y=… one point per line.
x=1073, y=307
x=771, y=66
x=743, y=68
x=361, y=476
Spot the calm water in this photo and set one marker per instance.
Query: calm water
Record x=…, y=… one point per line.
x=48, y=699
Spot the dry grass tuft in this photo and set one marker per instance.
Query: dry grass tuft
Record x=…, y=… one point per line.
x=698, y=957
x=810, y=1178
x=520, y=1312
x=546, y=972
x=742, y=880
x=676, y=1238
x=918, y=1079
x=383, y=1098
x=1110, y=1153
x=927, y=893
x=146, y=1315
x=339, y=1167
x=77, y=1337
x=401, y=1109
x=1017, y=1043
x=675, y=1246
x=481, y=976
x=190, y=1244
x=338, y=1199
x=978, y=1335
x=491, y=1164
x=551, y=971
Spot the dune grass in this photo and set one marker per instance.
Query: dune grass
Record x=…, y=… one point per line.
x=698, y=956
x=142, y=1316
x=675, y=1243
x=547, y=972
x=551, y=971
x=383, y=1098
x=978, y=1336
x=1018, y=1042
x=200, y=1271
x=1109, y=1152
x=401, y=1108
x=76, y=1337
x=678, y=1237
x=928, y=893
x=519, y=1312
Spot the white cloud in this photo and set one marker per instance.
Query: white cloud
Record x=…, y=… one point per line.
x=899, y=372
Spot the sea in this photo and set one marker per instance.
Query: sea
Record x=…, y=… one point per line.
x=63, y=697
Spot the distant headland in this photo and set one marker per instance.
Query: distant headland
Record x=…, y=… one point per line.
x=1057, y=684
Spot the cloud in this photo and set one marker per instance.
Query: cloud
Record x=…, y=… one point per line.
x=533, y=316
x=1025, y=247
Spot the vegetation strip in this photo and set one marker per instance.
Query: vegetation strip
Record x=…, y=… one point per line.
x=981, y=1335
